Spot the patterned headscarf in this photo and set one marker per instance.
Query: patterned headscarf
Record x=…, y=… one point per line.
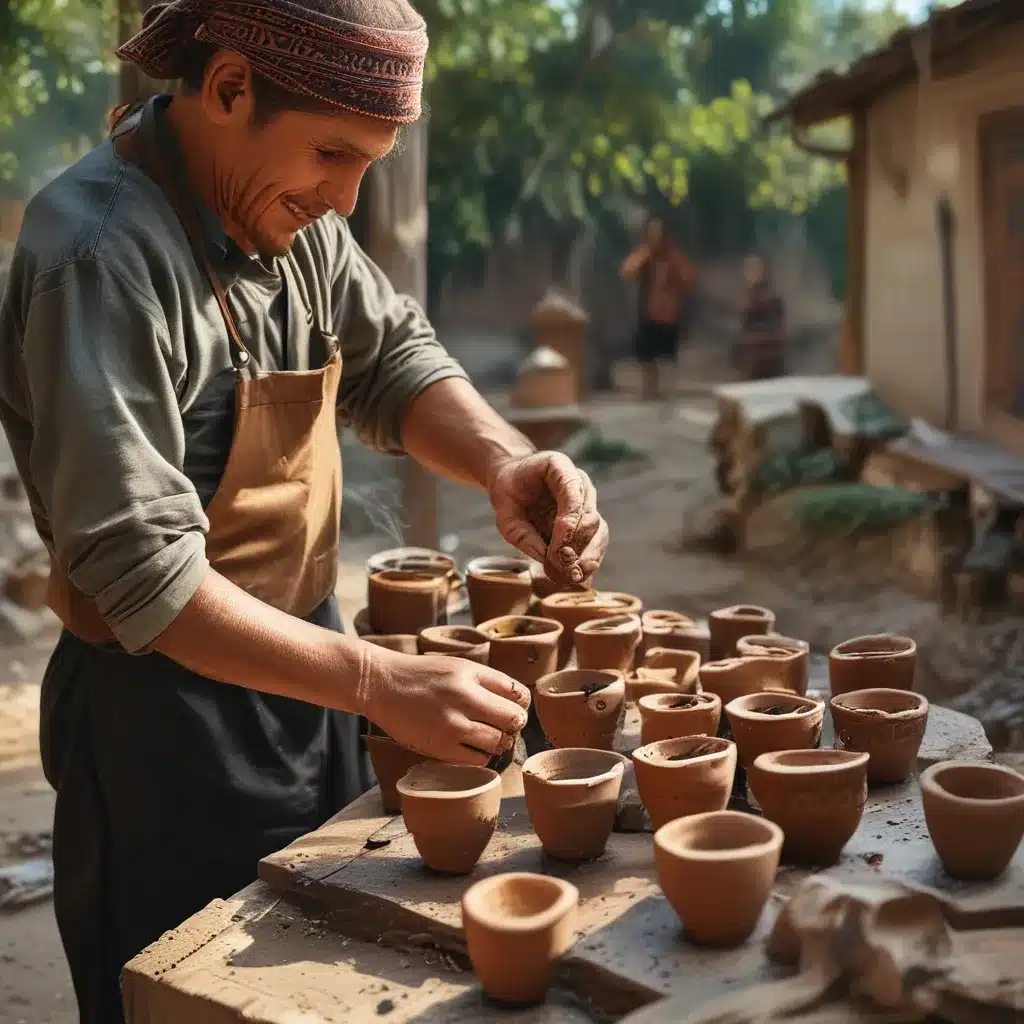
x=371, y=71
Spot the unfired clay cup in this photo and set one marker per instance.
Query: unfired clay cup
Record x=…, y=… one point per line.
x=581, y=707
x=762, y=722
x=887, y=724
x=729, y=625
x=880, y=661
x=671, y=716
x=609, y=642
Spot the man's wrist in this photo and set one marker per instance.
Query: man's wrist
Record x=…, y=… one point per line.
x=501, y=454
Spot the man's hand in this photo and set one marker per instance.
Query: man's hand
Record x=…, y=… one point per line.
x=547, y=508
x=448, y=708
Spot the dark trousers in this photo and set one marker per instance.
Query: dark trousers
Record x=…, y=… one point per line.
x=170, y=789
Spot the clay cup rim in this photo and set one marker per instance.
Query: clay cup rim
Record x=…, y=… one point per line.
x=974, y=784
x=410, y=579
x=490, y=901
x=607, y=601
x=666, y=617
x=502, y=628
x=810, y=762
x=659, y=752
x=572, y=682
x=574, y=766
x=881, y=703
x=662, y=702
x=874, y=646
x=441, y=781
x=774, y=645
x=622, y=622
x=468, y=636
x=745, y=612
x=412, y=558
x=747, y=706
x=719, y=836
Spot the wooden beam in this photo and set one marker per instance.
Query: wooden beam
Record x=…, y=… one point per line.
x=851, y=342
x=397, y=243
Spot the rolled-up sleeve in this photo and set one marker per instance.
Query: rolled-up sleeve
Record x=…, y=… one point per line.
x=390, y=351
x=107, y=448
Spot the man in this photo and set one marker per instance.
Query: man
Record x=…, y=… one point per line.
x=666, y=277
x=760, y=349
x=187, y=314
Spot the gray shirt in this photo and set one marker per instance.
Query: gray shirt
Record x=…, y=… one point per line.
x=116, y=383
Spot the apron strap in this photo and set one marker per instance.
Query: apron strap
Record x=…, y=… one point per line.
x=132, y=142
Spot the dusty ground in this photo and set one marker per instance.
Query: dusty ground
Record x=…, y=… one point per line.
x=645, y=503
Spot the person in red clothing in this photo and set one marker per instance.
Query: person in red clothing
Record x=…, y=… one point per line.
x=666, y=278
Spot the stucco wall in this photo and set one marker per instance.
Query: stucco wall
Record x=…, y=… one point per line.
x=928, y=137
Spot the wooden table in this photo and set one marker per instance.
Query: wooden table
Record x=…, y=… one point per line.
x=345, y=925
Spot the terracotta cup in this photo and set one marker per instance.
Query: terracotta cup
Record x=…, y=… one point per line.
x=581, y=707
x=872, y=662
x=740, y=677
x=717, y=870
x=671, y=716
x=729, y=625
x=975, y=816
x=390, y=761
x=462, y=641
x=523, y=646
x=663, y=671
x=497, y=586
x=762, y=722
x=572, y=795
x=451, y=810
x=517, y=925
x=608, y=643
x=793, y=657
x=691, y=775
x=572, y=609
x=676, y=632
x=409, y=558
x=403, y=643
x=816, y=797
x=887, y=724
x=406, y=600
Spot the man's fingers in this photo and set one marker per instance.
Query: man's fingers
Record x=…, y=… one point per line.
x=485, y=738
x=522, y=536
x=592, y=556
x=507, y=687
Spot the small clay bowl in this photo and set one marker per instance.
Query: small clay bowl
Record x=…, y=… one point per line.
x=403, y=643
x=498, y=585
x=581, y=707
x=671, y=716
x=451, y=810
x=406, y=600
x=887, y=724
x=793, y=657
x=816, y=797
x=524, y=647
x=572, y=795
x=576, y=607
x=390, y=761
x=871, y=663
x=461, y=641
x=975, y=816
x=608, y=643
x=762, y=722
x=741, y=677
x=717, y=870
x=729, y=625
x=691, y=775
x=517, y=925
x=676, y=632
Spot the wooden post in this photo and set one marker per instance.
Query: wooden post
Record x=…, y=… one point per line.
x=852, y=341
x=397, y=243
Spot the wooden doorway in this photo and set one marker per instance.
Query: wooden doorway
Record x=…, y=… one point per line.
x=1002, y=203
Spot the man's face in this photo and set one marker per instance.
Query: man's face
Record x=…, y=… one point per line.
x=281, y=176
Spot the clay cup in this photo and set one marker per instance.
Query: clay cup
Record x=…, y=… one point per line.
x=671, y=716
x=887, y=724
x=451, y=810
x=461, y=641
x=875, y=662
x=762, y=722
x=675, y=631
x=691, y=775
x=816, y=797
x=717, y=870
x=608, y=643
x=572, y=795
x=975, y=816
x=729, y=625
x=407, y=600
x=523, y=646
x=498, y=586
x=390, y=761
x=581, y=707
x=517, y=925
x=792, y=656
x=576, y=607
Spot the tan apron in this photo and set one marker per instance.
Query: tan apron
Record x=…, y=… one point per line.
x=275, y=517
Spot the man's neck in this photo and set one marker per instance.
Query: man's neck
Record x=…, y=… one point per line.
x=199, y=152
